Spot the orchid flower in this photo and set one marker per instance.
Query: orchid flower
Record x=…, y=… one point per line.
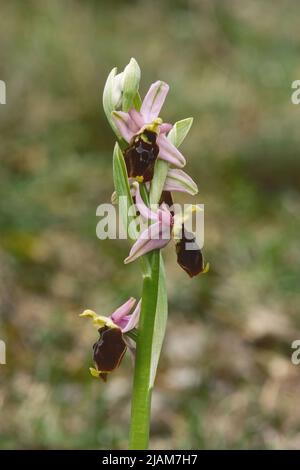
x=145, y=133
x=111, y=346
x=166, y=226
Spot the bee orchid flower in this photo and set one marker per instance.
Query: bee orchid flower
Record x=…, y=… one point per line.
x=165, y=226
x=109, y=349
x=146, y=135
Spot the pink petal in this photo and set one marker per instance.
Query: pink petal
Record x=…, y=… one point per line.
x=165, y=217
x=154, y=100
x=153, y=238
x=168, y=152
x=141, y=206
x=123, y=310
x=133, y=319
x=165, y=128
x=125, y=125
x=137, y=118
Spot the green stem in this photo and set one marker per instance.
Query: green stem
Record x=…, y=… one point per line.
x=141, y=398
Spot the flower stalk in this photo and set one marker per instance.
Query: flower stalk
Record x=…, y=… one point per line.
x=141, y=395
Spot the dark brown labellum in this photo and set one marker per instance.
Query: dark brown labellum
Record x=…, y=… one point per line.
x=190, y=260
x=108, y=350
x=141, y=155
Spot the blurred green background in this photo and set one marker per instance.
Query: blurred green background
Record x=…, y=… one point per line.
x=226, y=379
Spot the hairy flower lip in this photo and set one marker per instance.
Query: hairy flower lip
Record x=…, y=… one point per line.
x=109, y=350
x=191, y=261
x=141, y=155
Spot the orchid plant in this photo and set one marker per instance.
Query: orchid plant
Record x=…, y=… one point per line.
x=147, y=169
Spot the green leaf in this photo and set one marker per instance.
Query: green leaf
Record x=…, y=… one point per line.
x=145, y=357
x=150, y=338
x=123, y=191
x=120, y=173
x=179, y=131
x=161, y=317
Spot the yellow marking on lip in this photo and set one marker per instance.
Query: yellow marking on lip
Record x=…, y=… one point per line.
x=206, y=269
x=153, y=127
x=94, y=372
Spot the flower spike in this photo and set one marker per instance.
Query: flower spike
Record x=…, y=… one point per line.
x=146, y=153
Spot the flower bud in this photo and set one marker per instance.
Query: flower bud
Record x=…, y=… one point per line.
x=120, y=90
x=131, y=81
